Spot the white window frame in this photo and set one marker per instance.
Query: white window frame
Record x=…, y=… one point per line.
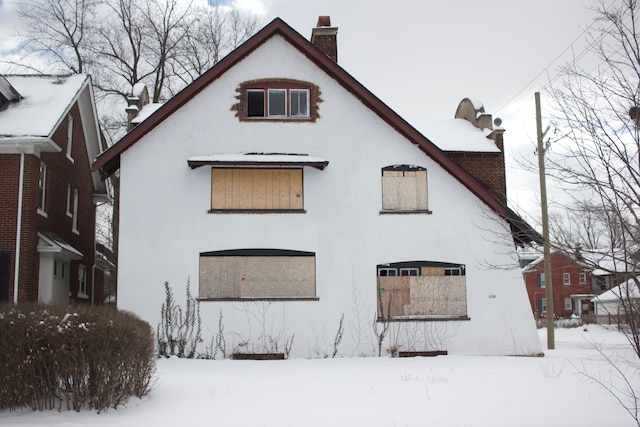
x=568, y=304
x=42, y=188
x=543, y=305
x=285, y=106
x=566, y=278
x=388, y=270
x=409, y=271
x=69, y=207
x=297, y=93
x=70, y=138
x=583, y=278
x=541, y=281
x=82, y=281
x=74, y=218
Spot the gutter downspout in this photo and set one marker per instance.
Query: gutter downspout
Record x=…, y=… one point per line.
x=16, y=271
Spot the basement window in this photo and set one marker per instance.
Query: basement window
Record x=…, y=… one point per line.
x=257, y=274
x=421, y=290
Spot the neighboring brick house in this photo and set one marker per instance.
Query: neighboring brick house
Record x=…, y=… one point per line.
x=572, y=286
x=49, y=135
x=296, y=202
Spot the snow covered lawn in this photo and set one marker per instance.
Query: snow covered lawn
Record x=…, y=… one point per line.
x=441, y=391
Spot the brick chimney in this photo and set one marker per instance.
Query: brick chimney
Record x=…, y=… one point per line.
x=487, y=168
x=325, y=37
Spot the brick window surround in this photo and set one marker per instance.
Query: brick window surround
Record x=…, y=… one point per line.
x=240, y=107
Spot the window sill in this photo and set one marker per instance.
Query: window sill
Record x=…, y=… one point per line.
x=83, y=296
x=257, y=211
x=76, y=232
x=251, y=299
x=423, y=319
x=70, y=159
x=43, y=213
x=406, y=212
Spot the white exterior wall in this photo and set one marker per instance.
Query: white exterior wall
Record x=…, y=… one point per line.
x=164, y=223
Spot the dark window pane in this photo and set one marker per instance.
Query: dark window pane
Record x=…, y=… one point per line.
x=255, y=103
x=299, y=103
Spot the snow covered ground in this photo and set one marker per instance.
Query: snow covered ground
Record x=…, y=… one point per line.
x=441, y=391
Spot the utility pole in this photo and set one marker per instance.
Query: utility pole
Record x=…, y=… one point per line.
x=551, y=344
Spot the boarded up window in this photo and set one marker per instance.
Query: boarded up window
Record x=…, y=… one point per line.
x=256, y=189
x=404, y=187
x=257, y=273
x=439, y=291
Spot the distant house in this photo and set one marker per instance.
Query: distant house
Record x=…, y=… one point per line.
x=572, y=286
x=49, y=136
x=613, y=305
x=298, y=204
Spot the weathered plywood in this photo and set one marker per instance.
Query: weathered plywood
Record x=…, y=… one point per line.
x=436, y=295
x=404, y=190
x=256, y=189
x=432, y=271
x=257, y=277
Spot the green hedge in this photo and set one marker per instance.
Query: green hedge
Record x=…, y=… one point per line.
x=59, y=357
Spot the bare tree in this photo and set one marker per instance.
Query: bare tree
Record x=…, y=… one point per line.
x=597, y=162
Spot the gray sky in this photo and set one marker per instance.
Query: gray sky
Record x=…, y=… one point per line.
x=423, y=57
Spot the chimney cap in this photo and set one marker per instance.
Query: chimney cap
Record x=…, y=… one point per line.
x=324, y=21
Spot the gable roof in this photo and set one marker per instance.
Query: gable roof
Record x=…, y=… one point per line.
x=109, y=161
x=39, y=104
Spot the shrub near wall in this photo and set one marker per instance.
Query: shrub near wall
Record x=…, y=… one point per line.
x=58, y=357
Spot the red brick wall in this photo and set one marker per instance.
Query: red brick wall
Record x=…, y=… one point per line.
x=486, y=168
x=559, y=265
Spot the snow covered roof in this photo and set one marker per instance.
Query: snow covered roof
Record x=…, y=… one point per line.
x=258, y=159
x=45, y=101
x=628, y=289
x=145, y=112
x=457, y=135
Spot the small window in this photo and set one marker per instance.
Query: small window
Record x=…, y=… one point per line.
x=255, y=103
x=386, y=272
x=259, y=189
x=299, y=103
x=583, y=278
x=257, y=273
x=74, y=219
x=69, y=201
x=60, y=269
x=277, y=99
x=277, y=103
x=404, y=188
x=42, y=186
x=82, y=280
x=566, y=278
x=70, y=138
x=421, y=290
x=541, y=280
x=567, y=304
x=542, y=305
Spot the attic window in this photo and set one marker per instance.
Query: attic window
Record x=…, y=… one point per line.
x=277, y=100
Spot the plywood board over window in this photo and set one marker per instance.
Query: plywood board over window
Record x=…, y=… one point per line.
x=404, y=188
x=257, y=273
x=439, y=291
x=258, y=189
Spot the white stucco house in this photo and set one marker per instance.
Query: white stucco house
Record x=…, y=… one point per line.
x=300, y=206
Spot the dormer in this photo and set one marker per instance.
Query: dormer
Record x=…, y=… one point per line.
x=8, y=94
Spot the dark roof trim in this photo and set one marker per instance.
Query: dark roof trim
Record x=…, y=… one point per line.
x=257, y=252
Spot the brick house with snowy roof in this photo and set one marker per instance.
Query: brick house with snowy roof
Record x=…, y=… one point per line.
x=292, y=197
x=49, y=136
